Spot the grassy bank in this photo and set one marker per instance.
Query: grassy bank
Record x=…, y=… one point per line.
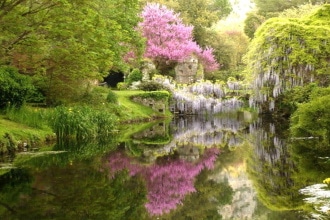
x=133, y=111
x=29, y=125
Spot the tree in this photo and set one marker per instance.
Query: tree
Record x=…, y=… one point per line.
x=289, y=52
x=201, y=14
x=252, y=22
x=14, y=87
x=272, y=7
x=170, y=41
x=64, y=44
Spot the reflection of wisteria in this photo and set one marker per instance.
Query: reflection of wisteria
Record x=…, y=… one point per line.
x=213, y=131
x=269, y=146
x=167, y=183
x=272, y=165
x=202, y=97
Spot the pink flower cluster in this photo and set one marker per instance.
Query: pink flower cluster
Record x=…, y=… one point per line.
x=167, y=183
x=168, y=39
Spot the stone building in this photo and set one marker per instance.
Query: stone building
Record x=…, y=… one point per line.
x=186, y=71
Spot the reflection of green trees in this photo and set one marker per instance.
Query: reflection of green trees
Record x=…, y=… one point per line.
x=12, y=185
x=272, y=170
x=73, y=152
x=204, y=203
x=78, y=192
x=311, y=159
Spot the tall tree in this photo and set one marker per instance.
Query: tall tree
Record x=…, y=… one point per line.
x=67, y=42
x=201, y=14
x=275, y=6
x=286, y=53
x=170, y=41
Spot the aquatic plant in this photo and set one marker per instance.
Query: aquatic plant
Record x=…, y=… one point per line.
x=81, y=123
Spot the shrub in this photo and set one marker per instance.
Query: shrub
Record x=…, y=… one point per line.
x=93, y=97
x=134, y=76
x=158, y=95
x=14, y=87
x=122, y=86
x=312, y=119
x=81, y=123
x=112, y=97
x=151, y=86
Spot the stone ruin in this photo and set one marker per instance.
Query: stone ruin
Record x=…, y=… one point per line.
x=186, y=71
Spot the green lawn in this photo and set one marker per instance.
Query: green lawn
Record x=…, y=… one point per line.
x=128, y=112
x=21, y=132
x=134, y=111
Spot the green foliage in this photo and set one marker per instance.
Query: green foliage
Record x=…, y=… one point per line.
x=32, y=117
x=274, y=6
x=290, y=52
x=66, y=43
x=299, y=12
x=112, y=97
x=229, y=47
x=256, y=18
x=134, y=76
x=313, y=119
x=151, y=86
x=199, y=13
x=93, y=97
x=122, y=85
x=252, y=22
x=81, y=123
x=14, y=87
x=289, y=101
x=156, y=95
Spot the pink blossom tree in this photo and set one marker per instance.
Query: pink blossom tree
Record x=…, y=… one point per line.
x=167, y=183
x=169, y=40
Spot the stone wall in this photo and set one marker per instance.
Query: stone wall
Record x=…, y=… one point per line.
x=156, y=105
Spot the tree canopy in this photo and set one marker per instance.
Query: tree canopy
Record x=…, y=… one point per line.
x=66, y=42
x=169, y=40
x=201, y=14
x=290, y=52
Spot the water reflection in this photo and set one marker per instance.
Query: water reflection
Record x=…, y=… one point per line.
x=167, y=182
x=222, y=167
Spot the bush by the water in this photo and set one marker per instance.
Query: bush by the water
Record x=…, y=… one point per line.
x=313, y=118
x=81, y=123
x=15, y=88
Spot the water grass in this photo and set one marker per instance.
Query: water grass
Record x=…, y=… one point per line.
x=27, y=115
x=81, y=123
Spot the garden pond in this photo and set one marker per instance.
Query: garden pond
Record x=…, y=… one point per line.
x=227, y=167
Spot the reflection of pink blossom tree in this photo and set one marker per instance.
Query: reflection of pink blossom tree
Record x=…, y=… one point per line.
x=167, y=183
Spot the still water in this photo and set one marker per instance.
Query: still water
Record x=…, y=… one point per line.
x=226, y=167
